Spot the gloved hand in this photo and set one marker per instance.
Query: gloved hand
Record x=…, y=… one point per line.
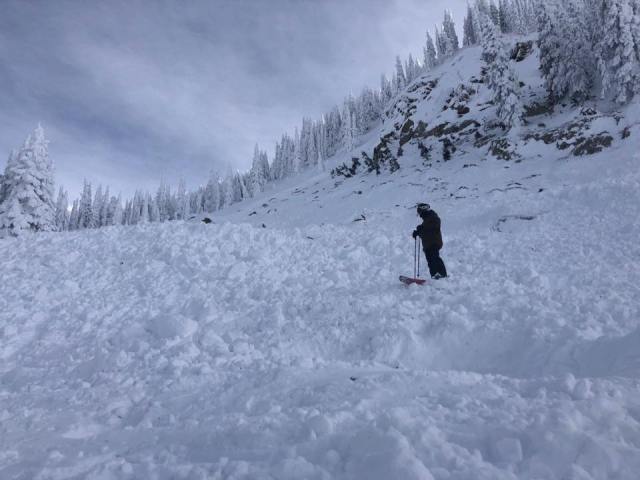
x=414, y=234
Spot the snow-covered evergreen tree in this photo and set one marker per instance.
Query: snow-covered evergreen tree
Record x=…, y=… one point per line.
x=27, y=203
x=441, y=44
x=74, y=216
x=505, y=16
x=617, y=59
x=97, y=207
x=85, y=214
x=348, y=126
x=400, y=80
x=62, y=211
x=211, y=195
x=449, y=31
x=494, y=13
x=501, y=78
x=430, y=54
x=182, y=199
x=117, y=211
x=259, y=175
x=470, y=36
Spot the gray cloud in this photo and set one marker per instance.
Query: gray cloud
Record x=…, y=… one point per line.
x=130, y=91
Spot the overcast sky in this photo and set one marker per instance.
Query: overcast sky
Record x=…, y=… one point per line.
x=130, y=91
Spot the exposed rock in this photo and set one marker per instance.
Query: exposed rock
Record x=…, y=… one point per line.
x=521, y=51
x=538, y=108
x=345, y=170
x=593, y=144
x=502, y=149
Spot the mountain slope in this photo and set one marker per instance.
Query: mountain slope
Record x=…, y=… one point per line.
x=237, y=351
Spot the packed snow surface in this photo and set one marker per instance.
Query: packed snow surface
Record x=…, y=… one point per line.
x=277, y=342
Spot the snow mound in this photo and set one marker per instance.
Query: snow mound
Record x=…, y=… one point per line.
x=235, y=351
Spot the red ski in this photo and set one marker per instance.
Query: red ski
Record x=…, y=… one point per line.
x=409, y=281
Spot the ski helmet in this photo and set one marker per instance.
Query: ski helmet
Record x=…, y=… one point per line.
x=423, y=208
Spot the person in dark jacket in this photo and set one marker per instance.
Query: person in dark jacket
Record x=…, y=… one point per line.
x=429, y=233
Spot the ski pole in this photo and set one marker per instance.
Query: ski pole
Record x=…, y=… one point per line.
x=415, y=255
x=418, y=255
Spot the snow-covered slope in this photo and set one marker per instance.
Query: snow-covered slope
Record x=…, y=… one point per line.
x=277, y=343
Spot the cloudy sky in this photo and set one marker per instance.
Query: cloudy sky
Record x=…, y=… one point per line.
x=130, y=91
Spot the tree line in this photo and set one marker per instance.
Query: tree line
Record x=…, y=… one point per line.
x=587, y=47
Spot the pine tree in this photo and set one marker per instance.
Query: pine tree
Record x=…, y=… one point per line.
x=430, y=54
x=143, y=209
x=85, y=214
x=74, y=216
x=411, y=69
x=182, y=199
x=386, y=93
x=617, y=60
x=494, y=13
x=505, y=17
x=97, y=208
x=449, y=31
x=441, y=45
x=501, y=78
x=62, y=211
x=566, y=50
x=27, y=188
x=118, y=212
x=348, y=130
x=154, y=213
x=211, y=195
x=470, y=37
x=400, y=80
x=635, y=25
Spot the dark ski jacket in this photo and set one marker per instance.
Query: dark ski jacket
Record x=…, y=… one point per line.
x=429, y=231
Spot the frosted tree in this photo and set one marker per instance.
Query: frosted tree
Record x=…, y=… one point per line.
x=322, y=147
x=182, y=199
x=118, y=213
x=27, y=190
x=501, y=78
x=113, y=205
x=228, y=188
x=449, y=31
x=400, y=80
x=386, y=91
x=62, y=211
x=469, y=37
x=97, y=207
x=211, y=194
x=85, y=216
x=567, y=61
x=430, y=54
x=163, y=199
x=505, y=16
x=154, y=214
x=74, y=216
x=494, y=13
x=616, y=52
x=104, y=207
x=441, y=44
x=144, y=209
x=411, y=69
x=635, y=25
x=259, y=174
x=348, y=127
x=242, y=184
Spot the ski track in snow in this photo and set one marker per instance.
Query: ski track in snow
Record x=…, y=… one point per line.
x=230, y=351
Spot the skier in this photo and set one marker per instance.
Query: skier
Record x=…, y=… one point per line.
x=429, y=233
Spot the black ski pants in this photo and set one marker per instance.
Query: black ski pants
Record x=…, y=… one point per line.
x=436, y=265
